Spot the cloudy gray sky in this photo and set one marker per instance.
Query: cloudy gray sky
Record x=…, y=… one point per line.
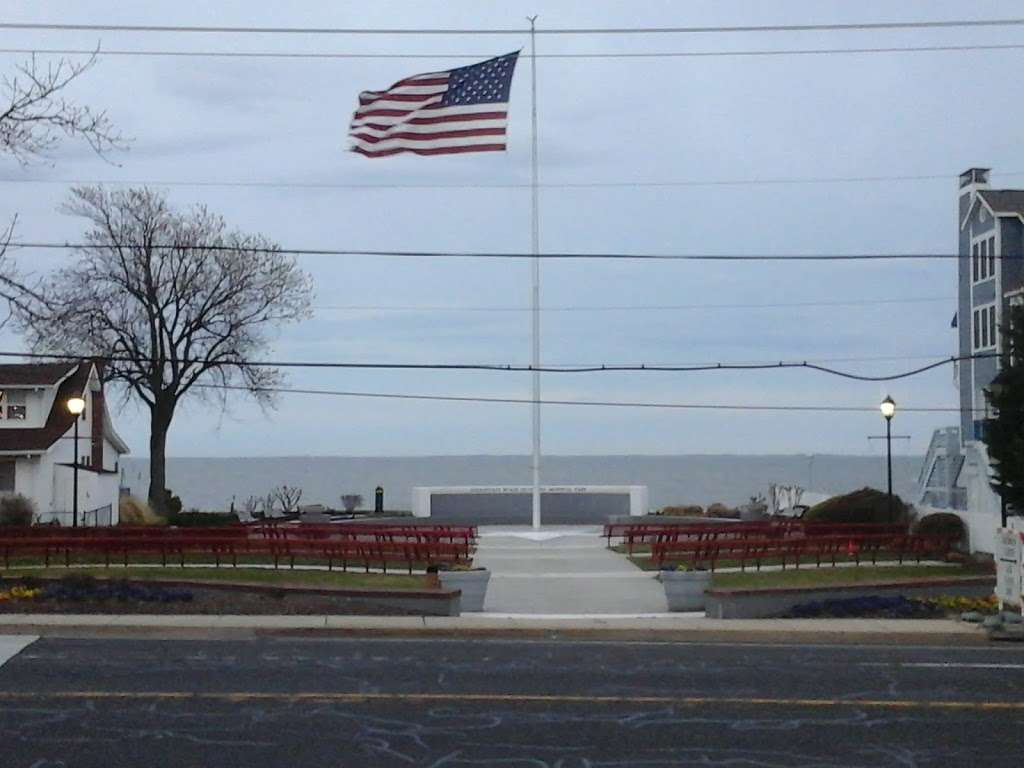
x=711, y=119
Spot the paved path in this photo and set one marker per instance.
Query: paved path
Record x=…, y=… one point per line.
x=477, y=704
x=563, y=571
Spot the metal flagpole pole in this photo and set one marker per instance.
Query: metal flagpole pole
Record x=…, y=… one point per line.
x=535, y=296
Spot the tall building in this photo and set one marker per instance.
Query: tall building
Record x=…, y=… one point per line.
x=955, y=473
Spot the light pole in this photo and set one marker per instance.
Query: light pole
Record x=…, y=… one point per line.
x=888, y=408
x=75, y=406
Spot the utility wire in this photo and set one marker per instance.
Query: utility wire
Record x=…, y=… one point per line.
x=761, y=52
x=601, y=403
x=190, y=29
x=515, y=368
x=498, y=185
x=514, y=254
x=632, y=307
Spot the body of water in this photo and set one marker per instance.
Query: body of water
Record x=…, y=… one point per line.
x=210, y=483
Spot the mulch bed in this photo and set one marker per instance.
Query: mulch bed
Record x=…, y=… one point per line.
x=123, y=597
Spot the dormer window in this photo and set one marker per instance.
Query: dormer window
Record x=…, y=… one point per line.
x=12, y=405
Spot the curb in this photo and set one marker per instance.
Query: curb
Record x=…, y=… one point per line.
x=667, y=629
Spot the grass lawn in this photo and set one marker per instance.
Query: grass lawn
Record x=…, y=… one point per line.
x=281, y=577
x=823, y=577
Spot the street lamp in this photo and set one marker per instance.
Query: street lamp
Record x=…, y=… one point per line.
x=888, y=408
x=75, y=406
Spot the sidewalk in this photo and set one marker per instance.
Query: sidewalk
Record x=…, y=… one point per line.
x=562, y=571
x=668, y=627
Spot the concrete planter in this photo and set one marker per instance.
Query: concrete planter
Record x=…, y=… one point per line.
x=473, y=585
x=684, y=590
x=770, y=602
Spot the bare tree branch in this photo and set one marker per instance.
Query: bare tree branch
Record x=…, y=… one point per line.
x=34, y=113
x=155, y=289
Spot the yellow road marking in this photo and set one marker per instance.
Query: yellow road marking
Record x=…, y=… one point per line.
x=527, y=698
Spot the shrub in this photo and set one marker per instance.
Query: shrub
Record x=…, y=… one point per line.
x=172, y=504
x=133, y=511
x=687, y=510
x=942, y=524
x=196, y=519
x=720, y=510
x=17, y=510
x=866, y=506
x=351, y=501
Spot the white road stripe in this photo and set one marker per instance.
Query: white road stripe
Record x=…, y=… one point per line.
x=12, y=645
x=940, y=665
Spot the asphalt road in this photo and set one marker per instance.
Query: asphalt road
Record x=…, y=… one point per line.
x=506, y=704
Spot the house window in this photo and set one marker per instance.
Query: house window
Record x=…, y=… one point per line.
x=983, y=259
x=6, y=477
x=984, y=321
x=12, y=405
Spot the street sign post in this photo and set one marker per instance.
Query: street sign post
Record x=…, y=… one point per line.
x=1010, y=568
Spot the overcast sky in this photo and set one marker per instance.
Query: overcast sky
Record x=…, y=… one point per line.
x=708, y=119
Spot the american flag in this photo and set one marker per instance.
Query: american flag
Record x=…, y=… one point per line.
x=439, y=113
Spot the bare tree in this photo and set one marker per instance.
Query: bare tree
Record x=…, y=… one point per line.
x=268, y=504
x=35, y=113
x=251, y=508
x=287, y=498
x=173, y=302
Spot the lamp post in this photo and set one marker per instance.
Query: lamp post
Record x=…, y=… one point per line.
x=888, y=408
x=75, y=406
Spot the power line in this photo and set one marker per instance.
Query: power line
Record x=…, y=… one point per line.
x=513, y=254
x=631, y=307
x=760, y=52
x=598, y=403
x=498, y=185
x=515, y=368
x=191, y=29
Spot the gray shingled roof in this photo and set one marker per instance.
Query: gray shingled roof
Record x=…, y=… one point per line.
x=1004, y=200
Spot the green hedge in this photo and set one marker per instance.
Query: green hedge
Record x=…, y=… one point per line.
x=202, y=519
x=864, y=506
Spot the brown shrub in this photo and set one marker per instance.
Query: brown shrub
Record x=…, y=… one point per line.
x=685, y=510
x=133, y=511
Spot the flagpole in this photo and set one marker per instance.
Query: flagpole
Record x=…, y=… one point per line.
x=535, y=268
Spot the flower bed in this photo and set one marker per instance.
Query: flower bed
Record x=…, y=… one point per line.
x=892, y=607
x=88, y=595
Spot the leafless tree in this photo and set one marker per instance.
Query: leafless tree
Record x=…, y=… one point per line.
x=34, y=112
x=252, y=507
x=33, y=115
x=172, y=302
x=287, y=498
x=268, y=504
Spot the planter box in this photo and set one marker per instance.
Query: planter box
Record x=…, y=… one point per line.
x=770, y=602
x=684, y=590
x=473, y=585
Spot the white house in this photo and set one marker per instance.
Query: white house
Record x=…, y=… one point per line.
x=37, y=445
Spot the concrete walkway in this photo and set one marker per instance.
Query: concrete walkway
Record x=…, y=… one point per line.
x=563, y=572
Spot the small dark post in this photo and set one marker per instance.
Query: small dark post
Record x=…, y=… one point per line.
x=378, y=501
